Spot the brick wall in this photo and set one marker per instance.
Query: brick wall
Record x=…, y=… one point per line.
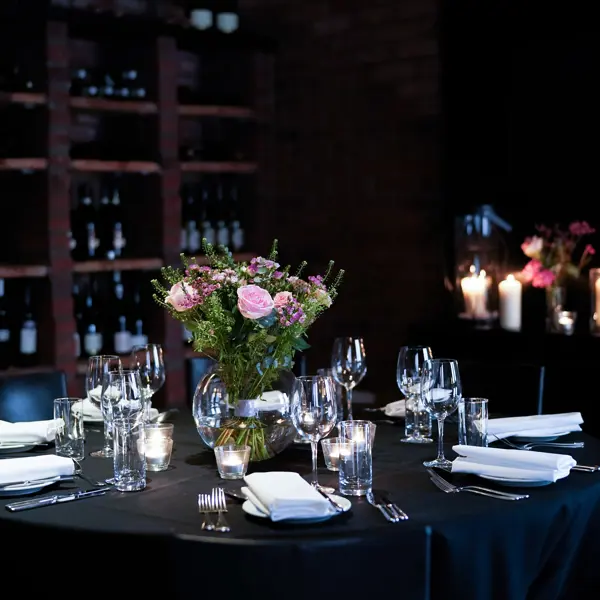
x=353, y=169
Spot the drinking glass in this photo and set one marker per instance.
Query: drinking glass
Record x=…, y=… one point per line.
x=473, y=421
x=97, y=367
x=441, y=392
x=149, y=362
x=349, y=364
x=417, y=421
x=314, y=413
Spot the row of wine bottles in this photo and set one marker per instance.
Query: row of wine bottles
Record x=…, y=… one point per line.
x=112, y=84
x=18, y=327
x=108, y=316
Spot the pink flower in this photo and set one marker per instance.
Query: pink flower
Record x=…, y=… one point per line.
x=543, y=278
x=532, y=246
x=530, y=270
x=182, y=297
x=254, y=302
x=589, y=249
x=282, y=298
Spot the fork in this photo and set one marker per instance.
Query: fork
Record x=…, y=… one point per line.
x=532, y=445
x=219, y=505
x=450, y=488
x=79, y=473
x=205, y=508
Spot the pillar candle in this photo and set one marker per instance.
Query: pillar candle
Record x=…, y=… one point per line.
x=597, y=299
x=510, y=292
x=474, y=289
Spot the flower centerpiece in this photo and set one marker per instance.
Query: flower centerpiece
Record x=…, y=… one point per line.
x=552, y=264
x=252, y=318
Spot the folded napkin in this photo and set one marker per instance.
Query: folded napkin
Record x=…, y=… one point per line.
x=34, y=467
x=32, y=432
x=395, y=409
x=516, y=464
x=535, y=425
x=285, y=495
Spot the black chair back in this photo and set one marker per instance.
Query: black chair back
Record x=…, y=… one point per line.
x=31, y=397
x=513, y=389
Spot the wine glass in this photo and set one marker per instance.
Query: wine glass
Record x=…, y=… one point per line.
x=411, y=359
x=441, y=391
x=349, y=364
x=314, y=414
x=97, y=367
x=149, y=362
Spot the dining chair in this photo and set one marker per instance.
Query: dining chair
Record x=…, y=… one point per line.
x=512, y=388
x=31, y=397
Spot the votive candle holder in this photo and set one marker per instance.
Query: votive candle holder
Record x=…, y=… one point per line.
x=333, y=450
x=232, y=460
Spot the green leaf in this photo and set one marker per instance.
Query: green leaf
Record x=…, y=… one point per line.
x=300, y=344
x=270, y=339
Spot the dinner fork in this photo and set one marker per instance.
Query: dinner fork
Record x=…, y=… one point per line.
x=219, y=505
x=450, y=488
x=532, y=445
x=205, y=508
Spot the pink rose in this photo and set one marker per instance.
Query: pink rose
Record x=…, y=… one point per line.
x=254, y=302
x=182, y=297
x=282, y=298
x=532, y=246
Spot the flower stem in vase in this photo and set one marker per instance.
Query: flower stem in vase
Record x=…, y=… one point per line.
x=245, y=431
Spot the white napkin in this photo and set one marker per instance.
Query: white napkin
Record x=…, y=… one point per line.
x=517, y=464
x=285, y=495
x=395, y=409
x=34, y=467
x=32, y=432
x=535, y=425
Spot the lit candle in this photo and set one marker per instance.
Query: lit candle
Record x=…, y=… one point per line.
x=232, y=461
x=510, y=291
x=333, y=451
x=474, y=289
x=158, y=453
x=597, y=297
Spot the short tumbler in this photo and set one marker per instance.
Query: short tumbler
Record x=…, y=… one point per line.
x=472, y=422
x=69, y=440
x=356, y=463
x=129, y=454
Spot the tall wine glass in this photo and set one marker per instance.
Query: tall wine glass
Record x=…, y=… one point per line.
x=97, y=367
x=314, y=414
x=441, y=391
x=149, y=362
x=411, y=359
x=349, y=364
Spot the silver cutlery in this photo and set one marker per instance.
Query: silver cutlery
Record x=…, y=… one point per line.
x=391, y=506
x=450, y=488
x=586, y=468
x=33, y=482
x=219, y=505
x=387, y=515
x=79, y=473
x=54, y=499
x=338, y=507
x=531, y=445
x=204, y=508
x=235, y=495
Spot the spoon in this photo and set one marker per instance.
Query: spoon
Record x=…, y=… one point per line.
x=236, y=495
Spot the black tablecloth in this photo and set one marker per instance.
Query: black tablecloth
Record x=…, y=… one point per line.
x=545, y=547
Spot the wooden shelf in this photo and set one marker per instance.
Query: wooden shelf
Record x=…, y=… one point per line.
x=102, y=104
x=21, y=271
x=218, y=167
x=120, y=264
x=107, y=166
x=231, y=112
x=23, y=164
x=22, y=98
x=14, y=371
x=237, y=257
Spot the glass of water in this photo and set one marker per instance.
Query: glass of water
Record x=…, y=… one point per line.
x=441, y=391
x=472, y=422
x=417, y=421
x=356, y=458
x=69, y=440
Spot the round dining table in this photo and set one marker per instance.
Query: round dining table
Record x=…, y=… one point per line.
x=457, y=545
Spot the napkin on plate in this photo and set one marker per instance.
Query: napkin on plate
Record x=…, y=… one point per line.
x=34, y=467
x=30, y=432
x=395, y=409
x=285, y=495
x=515, y=464
x=535, y=425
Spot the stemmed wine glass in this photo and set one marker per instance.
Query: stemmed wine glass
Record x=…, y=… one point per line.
x=149, y=362
x=441, y=391
x=411, y=359
x=314, y=414
x=349, y=364
x=97, y=367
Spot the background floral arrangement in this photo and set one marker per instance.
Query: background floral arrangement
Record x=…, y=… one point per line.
x=551, y=253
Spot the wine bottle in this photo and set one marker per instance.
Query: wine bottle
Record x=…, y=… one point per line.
x=207, y=212
x=92, y=339
x=83, y=225
x=121, y=335
x=238, y=235
x=78, y=313
x=119, y=242
x=138, y=338
x=28, y=334
x=5, y=336
x=193, y=237
x=222, y=231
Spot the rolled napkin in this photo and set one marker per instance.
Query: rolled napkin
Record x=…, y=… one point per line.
x=395, y=409
x=512, y=464
x=31, y=432
x=285, y=495
x=35, y=467
x=534, y=425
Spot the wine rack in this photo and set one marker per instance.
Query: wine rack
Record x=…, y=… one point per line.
x=169, y=99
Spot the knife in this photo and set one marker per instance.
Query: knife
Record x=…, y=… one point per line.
x=338, y=507
x=391, y=506
x=54, y=499
x=33, y=482
x=387, y=514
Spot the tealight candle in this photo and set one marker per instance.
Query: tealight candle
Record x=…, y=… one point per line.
x=232, y=461
x=158, y=453
x=565, y=321
x=333, y=450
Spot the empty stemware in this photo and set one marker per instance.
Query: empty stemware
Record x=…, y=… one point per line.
x=149, y=362
x=349, y=365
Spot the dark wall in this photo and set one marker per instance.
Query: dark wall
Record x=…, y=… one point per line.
x=353, y=173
